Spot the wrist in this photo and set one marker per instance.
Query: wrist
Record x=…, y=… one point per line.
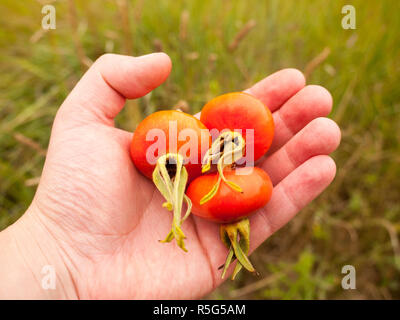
x=31, y=264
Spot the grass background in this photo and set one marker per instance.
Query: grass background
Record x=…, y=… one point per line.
x=356, y=221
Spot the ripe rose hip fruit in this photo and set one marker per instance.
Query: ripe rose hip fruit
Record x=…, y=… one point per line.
x=244, y=123
x=232, y=208
x=228, y=206
x=241, y=111
x=165, y=121
x=166, y=147
x=245, y=128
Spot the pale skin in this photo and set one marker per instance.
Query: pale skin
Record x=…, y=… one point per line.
x=97, y=220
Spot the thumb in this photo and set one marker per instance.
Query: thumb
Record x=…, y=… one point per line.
x=100, y=94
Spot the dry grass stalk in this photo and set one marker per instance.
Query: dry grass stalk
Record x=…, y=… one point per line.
x=83, y=59
x=182, y=105
x=243, y=70
x=138, y=10
x=30, y=143
x=32, y=182
x=44, y=2
x=390, y=228
x=314, y=63
x=123, y=8
x=350, y=163
x=241, y=35
x=345, y=225
x=212, y=59
x=344, y=102
x=183, y=25
x=148, y=106
x=192, y=55
x=38, y=35
x=255, y=286
x=157, y=45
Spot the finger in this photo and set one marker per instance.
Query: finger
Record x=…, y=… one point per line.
x=277, y=88
x=291, y=195
x=320, y=137
x=309, y=103
x=100, y=94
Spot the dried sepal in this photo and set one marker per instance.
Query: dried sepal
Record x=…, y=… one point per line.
x=225, y=150
x=172, y=189
x=236, y=237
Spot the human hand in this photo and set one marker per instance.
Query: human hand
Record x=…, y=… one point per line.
x=97, y=220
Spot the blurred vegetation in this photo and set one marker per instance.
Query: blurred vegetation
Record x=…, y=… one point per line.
x=216, y=47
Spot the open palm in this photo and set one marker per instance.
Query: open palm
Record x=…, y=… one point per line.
x=106, y=218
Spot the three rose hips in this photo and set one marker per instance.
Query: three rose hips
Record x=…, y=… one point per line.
x=242, y=130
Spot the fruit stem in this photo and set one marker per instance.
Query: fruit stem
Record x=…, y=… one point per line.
x=227, y=149
x=170, y=178
x=236, y=237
